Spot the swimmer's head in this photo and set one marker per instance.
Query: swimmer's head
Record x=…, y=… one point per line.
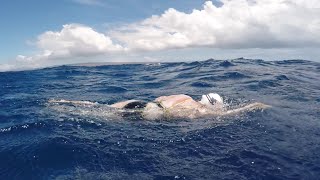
x=211, y=99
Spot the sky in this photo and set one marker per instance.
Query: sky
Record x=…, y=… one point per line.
x=41, y=33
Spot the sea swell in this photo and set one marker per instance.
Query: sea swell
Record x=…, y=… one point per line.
x=39, y=140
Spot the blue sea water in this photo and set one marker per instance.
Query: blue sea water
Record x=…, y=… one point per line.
x=39, y=140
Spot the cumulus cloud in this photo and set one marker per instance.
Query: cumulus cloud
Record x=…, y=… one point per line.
x=235, y=24
x=74, y=40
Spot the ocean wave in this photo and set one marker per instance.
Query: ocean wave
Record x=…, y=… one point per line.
x=54, y=140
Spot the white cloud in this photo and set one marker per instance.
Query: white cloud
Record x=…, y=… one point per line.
x=74, y=40
x=237, y=24
x=23, y=63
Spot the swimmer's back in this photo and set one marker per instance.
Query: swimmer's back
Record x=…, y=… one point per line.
x=174, y=100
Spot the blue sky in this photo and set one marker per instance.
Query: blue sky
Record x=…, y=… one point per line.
x=39, y=33
x=22, y=21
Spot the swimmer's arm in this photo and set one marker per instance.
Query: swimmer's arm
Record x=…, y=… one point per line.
x=250, y=107
x=118, y=105
x=173, y=100
x=72, y=102
x=161, y=98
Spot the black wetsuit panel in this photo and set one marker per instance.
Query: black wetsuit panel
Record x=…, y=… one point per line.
x=136, y=105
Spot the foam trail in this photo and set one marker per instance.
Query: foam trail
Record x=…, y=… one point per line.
x=89, y=109
x=73, y=102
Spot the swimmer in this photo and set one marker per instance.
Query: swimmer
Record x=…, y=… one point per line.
x=183, y=106
x=179, y=106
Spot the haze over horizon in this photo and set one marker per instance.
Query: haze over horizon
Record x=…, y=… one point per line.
x=40, y=34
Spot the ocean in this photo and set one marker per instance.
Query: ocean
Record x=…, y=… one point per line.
x=41, y=140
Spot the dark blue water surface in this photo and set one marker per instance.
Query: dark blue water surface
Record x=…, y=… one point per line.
x=39, y=140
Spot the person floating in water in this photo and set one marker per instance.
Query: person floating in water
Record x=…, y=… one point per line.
x=178, y=106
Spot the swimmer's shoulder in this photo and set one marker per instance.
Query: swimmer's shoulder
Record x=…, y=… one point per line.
x=171, y=97
x=172, y=100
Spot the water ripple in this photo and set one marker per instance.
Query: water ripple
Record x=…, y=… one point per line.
x=49, y=141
